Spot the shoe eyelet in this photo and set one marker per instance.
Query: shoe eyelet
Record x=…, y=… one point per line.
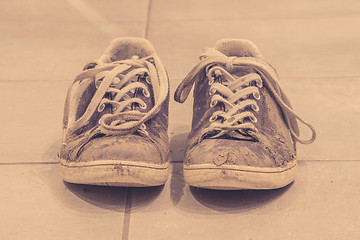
x=101, y=107
x=145, y=92
x=255, y=107
x=212, y=91
x=143, y=106
x=147, y=78
x=98, y=83
x=142, y=127
x=253, y=119
x=213, y=118
x=258, y=83
x=256, y=96
x=213, y=103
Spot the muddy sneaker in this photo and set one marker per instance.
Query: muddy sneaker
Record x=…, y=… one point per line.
x=116, y=119
x=243, y=131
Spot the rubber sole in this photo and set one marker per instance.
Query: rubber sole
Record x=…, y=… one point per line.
x=232, y=177
x=114, y=173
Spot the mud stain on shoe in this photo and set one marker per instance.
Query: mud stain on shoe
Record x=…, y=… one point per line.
x=119, y=169
x=221, y=158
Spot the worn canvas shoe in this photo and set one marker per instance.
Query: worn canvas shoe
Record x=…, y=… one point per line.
x=116, y=119
x=243, y=131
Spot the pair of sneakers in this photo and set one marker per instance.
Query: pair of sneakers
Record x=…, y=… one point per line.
x=243, y=133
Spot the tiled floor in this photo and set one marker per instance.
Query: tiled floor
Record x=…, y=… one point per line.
x=315, y=46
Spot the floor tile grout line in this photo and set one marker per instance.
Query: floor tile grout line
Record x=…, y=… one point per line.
x=314, y=17
x=126, y=221
x=320, y=77
x=28, y=163
x=329, y=160
x=302, y=77
x=22, y=81
x=147, y=20
x=299, y=160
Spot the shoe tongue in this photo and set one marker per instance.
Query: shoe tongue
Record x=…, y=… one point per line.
x=125, y=48
x=238, y=48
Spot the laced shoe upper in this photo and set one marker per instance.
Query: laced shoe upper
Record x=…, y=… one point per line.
x=240, y=110
x=121, y=97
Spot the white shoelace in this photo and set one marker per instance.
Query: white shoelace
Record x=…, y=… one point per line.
x=235, y=94
x=117, y=80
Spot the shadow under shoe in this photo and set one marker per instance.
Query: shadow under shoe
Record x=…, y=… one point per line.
x=237, y=201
